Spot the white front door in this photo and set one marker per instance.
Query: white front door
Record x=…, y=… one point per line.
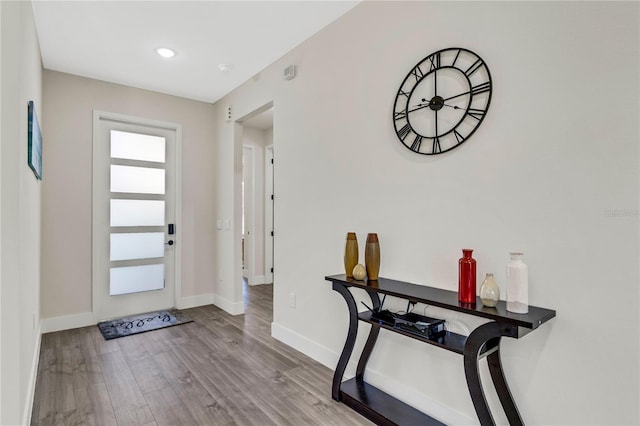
x=134, y=215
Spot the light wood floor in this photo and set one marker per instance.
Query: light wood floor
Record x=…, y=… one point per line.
x=218, y=370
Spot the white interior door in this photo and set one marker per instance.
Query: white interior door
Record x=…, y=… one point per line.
x=135, y=226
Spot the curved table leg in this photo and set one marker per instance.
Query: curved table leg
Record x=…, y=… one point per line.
x=371, y=340
x=500, y=383
x=349, y=343
x=487, y=337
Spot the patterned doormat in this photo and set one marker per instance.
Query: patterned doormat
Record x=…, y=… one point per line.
x=127, y=326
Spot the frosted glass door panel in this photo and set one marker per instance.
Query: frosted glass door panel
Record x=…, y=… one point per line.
x=133, y=279
x=137, y=246
x=135, y=146
x=142, y=180
x=134, y=200
x=137, y=213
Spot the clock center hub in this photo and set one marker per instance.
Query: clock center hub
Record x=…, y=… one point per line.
x=436, y=103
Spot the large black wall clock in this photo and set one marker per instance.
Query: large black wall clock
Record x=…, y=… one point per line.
x=442, y=101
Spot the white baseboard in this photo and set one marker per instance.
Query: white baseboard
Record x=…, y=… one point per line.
x=67, y=322
x=411, y=396
x=234, y=308
x=257, y=280
x=322, y=354
x=31, y=386
x=195, y=301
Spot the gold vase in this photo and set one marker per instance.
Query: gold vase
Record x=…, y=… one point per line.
x=372, y=256
x=350, y=254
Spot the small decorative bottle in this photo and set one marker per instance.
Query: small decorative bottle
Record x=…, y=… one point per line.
x=489, y=291
x=372, y=256
x=467, y=277
x=350, y=254
x=517, y=285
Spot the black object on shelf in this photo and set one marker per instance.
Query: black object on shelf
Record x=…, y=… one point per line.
x=483, y=341
x=427, y=327
x=383, y=316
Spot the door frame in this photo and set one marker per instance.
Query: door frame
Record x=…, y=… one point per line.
x=177, y=269
x=238, y=142
x=269, y=202
x=248, y=170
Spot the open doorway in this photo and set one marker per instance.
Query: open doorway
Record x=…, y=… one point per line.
x=257, y=198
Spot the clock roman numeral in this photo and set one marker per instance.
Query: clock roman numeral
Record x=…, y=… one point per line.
x=415, y=146
x=459, y=137
x=403, y=93
x=399, y=115
x=404, y=131
x=436, y=146
x=453, y=64
x=474, y=67
x=476, y=113
x=481, y=88
x=417, y=73
x=435, y=61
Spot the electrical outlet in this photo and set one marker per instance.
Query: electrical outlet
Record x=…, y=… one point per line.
x=292, y=299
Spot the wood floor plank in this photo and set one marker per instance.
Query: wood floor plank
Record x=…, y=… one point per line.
x=95, y=407
x=227, y=382
x=201, y=405
x=130, y=407
x=218, y=370
x=167, y=408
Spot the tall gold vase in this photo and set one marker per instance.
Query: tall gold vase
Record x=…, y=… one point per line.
x=350, y=254
x=372, y=256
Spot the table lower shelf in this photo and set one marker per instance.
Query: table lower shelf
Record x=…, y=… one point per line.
x=450, y=341
x=380, y=407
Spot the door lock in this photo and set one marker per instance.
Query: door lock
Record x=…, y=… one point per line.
x=170, y=242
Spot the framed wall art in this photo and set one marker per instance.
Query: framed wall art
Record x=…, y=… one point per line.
x=34, y=155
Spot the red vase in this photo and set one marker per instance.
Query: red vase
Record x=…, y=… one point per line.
x=467, y=278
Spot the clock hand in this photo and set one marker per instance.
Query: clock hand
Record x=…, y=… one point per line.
x=457, y=96
x=435, y=103
x=453, y=106
x=435, y=83
x=418, y=107
x=475, y=90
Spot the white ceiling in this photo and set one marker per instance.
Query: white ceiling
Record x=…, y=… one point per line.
x=115, y=41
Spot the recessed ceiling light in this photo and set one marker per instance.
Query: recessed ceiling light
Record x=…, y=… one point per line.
x=165, y=52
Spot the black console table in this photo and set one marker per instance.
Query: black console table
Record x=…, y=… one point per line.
x=483, y=341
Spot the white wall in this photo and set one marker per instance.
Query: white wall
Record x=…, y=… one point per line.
x=20, y=200
x=66, y=237
x=552, y=171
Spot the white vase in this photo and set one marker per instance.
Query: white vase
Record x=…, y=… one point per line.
x=517, y=285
